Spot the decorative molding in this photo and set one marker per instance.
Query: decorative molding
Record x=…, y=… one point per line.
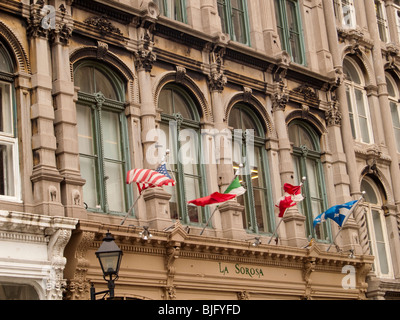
x=103, y=25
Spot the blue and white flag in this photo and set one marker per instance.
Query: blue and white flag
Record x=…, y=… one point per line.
x=337, y=213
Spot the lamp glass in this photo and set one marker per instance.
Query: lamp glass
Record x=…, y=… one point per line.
x=109, y=262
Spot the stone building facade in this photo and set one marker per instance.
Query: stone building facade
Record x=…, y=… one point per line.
x=296, y=88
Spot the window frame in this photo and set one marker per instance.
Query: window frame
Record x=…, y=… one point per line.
x=394, y=101
x=370, y=207
x=180, y=123
x=98, y=103
x=250, y=214
x=340, y=16
x=351, y=89
x=301, y=154
x=286, y=34
x=225, y=7
x=180, y=10
x=382, y=21
x=10, y=139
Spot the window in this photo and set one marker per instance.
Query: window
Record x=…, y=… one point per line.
x=357, y=102
x=381, y=19
x=307, y=163
x=102, y=138
x=234, y=19
x=378, y=237
x=9, y=168
x=173, y=9
x=394, y=108
x=249, y=149
x=181, y=126
x=290, y=29
x=16, y=291
x=345, y=13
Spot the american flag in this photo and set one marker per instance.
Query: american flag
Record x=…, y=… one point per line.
x=146, y=178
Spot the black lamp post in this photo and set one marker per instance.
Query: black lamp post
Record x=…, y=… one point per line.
x=109, y=255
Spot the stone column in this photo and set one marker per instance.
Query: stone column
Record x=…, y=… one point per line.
x=65, y=122
x=348, y=144
x=294, y=221
x=230, y=212
x=387, y=127
x=45, y=176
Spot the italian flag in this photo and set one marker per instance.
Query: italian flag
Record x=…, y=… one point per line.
x=235, y=189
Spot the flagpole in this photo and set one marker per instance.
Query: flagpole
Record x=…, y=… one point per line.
x=209, y=219
x=276, y=229
x=130, y=209
x=345, y=220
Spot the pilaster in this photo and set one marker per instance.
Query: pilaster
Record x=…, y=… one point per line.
x=45, y=177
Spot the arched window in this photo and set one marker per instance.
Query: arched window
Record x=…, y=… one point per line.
x=181, y=126
x=394, y=97
x=102, y=133
x=357, y=102
x=9, y=164
x=307, y=163
x=378, y=237
x=249, y=149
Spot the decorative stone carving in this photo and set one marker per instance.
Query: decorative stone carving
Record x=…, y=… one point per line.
x=103, y=25
x=280, y=97
x=333, y=116
x=145, y=59
x=102, y=49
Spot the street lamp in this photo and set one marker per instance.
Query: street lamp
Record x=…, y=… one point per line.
x=109, y=255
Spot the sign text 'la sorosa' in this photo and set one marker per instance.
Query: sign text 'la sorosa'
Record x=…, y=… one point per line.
x=242, y=270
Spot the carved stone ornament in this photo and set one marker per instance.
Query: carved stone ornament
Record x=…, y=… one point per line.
x=280, y=98
x=103, y=25
x=145, y=59
x=333, y=116
x=217, y=81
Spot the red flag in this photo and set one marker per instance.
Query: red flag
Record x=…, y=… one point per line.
x=215, y=197
x=291, y=197
x=291, y=189
x=285, y=203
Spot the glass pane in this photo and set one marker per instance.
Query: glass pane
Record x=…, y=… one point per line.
x=370, y=195
x=104, y=85
x=351, y=72
x=13, y=291
x=380, y=242
x=5, y=62
x=248, y=123
x=222, y=15
x=111, y=135
x=192, y=191
x=85, y=130
x=182, y=106
x=360, y=103
x=6, y=115
x=390, y=88
x=306, y=139
x=238, y=21
x=312, y=179
x=294, y=31
x=88, y=172
x=165, y=101
x=234, y=119
x=260, y=206
x=395, y=114
x=6, y=171
x=397, y=135
x=351, y=113
x=84, y=78
x=115, y=179
x=364, y=130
